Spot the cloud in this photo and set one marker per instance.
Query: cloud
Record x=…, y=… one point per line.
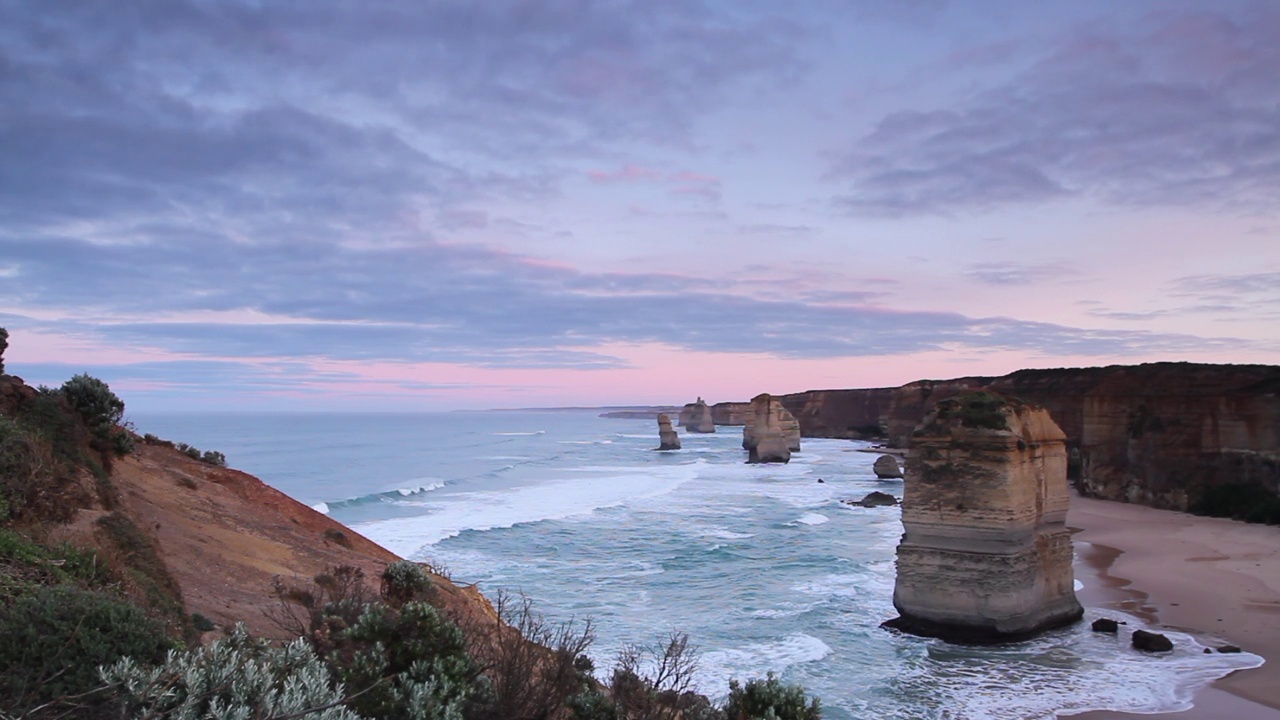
x=1179, y=114
x=1011, y=273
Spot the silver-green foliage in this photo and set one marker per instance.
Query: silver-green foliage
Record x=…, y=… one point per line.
x=234, y=678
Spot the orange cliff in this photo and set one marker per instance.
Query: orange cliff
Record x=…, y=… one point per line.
x=221, y=535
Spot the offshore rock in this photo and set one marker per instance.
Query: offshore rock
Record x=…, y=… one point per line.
x=876, y=498
x=667, y=437
x=886, y=468
x=986, y=554
x=696, y=417
x=779, y=417
x=763, y=436
x=1150, y=642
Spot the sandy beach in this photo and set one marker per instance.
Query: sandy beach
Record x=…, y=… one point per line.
x=1213, y=578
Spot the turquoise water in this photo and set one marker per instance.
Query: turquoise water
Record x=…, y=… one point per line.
x=762, y=566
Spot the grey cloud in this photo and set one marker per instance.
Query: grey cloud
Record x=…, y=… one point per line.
x=1180, y=114
x=477, y=307
x=1011, y=273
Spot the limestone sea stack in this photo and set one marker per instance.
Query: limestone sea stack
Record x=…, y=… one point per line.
x=696, y=417
x=986, y=554
x=778, y=416
x=667, y=437
x=763, y=436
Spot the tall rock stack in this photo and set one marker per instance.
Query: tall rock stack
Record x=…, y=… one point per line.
x=764, y=437
x=667, y=437
x=696, y=417
x=986, y=554
x=779, y=417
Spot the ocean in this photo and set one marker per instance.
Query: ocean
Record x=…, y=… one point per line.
x=762, y=566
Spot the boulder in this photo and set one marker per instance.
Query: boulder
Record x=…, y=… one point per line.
x=696, y=417
x=876, y=499
x=1151, y=642
x=1228, y=649
x=886, y=468
x=763, y=437
x=986, y=554
x=1106, y=625
x=667, y=437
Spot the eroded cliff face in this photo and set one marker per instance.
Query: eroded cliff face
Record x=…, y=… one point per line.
x=1163, y=434
x=731, y=413
x=1160, y=434
x=986, y=554
x=851, y=414
x=696, y=417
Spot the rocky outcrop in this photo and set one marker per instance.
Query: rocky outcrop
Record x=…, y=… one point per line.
x=667, y=437
x=1177, y=436
x=875, y=498
x=849, y=414
x=763, y=436
x=778, y=417
x=886, y=468
x=696, y=417
x=1150, y=642
x=986, y=554
x=731, y=413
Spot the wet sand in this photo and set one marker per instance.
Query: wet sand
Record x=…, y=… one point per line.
x=1216, y=579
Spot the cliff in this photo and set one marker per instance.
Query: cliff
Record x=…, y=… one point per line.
x=851, y=414
x=731, y=413
x=986, y=555
x=184, y=536
x=1177, y=436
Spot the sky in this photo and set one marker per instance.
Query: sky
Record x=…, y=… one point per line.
x=448, y=204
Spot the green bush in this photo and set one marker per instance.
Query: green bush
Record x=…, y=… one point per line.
x=423, y=653
x=101, y=410
x=234, y=677
x=53, y=640
x=769, y=699
x=4, y=345
x=403, y=581
x=213, y=457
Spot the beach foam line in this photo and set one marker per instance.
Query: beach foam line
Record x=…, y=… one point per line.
x=521, y=434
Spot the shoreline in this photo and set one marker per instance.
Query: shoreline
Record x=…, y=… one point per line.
x=1216, y=579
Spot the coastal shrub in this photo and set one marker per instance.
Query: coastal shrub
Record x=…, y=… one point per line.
x=403, y=581
x=655, y=681
x=410, y=662
x=4, y=345
x=53, y=640
x=202, y=623
x=100, y=409
x=146, y=579
x=337, y=537
x=770, y=699
x=332, y=602
x=234, y=677
x=213, y=457
x=975, y=410
x=534, y=665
